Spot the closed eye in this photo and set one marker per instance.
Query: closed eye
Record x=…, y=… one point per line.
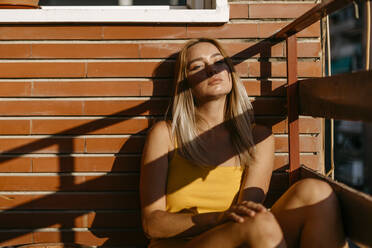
x=195, y=67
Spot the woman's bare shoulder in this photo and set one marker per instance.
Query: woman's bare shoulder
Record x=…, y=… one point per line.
x=161, y=126
x=161, y=131
x=261, y=133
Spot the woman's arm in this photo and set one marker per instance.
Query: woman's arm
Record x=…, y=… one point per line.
x=258, y=174
x=156, y=221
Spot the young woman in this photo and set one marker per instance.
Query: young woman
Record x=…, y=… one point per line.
x=205, y=172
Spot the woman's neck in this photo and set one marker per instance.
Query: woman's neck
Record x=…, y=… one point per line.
x=212, y=113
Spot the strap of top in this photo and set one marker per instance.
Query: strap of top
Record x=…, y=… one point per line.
x=175, y=143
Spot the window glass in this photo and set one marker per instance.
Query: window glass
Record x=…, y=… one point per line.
x=352, y=140
x=110, y=2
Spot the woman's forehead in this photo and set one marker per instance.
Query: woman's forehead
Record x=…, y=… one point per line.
x=202, y=49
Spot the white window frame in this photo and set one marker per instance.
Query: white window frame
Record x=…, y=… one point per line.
x=198, y=11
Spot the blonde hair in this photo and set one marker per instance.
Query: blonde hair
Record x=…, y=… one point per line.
x=238, y=113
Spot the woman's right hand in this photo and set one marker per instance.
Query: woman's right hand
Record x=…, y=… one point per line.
x=237, y=212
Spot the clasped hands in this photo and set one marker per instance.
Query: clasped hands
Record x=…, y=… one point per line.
x=243, y=209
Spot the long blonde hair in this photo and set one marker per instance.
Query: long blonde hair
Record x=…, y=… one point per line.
x=238, y=113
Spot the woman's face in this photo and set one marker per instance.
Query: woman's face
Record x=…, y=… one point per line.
x=208, y=74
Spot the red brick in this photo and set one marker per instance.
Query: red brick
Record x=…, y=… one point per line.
x=81, y=237
x=238, y=11
x=308, y=49
x=50, y=32
x=114, y=220
x=75, y=201
x=115, y=145
x=307, y=144
x=278, y=10
x=11, y=51
x=29, y=183
x=241, y=67
x=158, y=87
x=42, y=69
x=38, y=107
x=159, y=50
x=15, y=164
x=310, y=125
x=130, y=69
x=41, y=145
x=311, y=31
x=18, y=88
x=253, y=49
x=70, y=183
x=278, y=69
x=40, y=219
x=86, y=164
x=231, y=30
x=89, y=126
x=265, y=88
x=126, y=107
x=269, y=28
x=108, y=183
x=118, y=238
x=144, y=32
x=13, y=201
x=85, y=201
x=279, y=125
x=310, y=68
x=281, y=161
x=10, y=238
x=276, y=124
x=9, y=127
x=85, y=50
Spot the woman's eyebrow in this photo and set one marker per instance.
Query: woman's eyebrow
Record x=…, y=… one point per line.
x=200, y=58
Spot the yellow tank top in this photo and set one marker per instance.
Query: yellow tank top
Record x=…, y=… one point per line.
x=191, y=188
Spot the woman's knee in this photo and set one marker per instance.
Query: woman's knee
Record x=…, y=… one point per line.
x=312, y=191
x=262, y=229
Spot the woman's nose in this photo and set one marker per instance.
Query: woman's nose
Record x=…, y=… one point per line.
x=211, y=69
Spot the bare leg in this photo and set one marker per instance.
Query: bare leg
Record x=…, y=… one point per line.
x=309, y=215
x=261, y=231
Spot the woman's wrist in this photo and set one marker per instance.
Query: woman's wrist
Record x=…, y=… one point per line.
x=220, y=216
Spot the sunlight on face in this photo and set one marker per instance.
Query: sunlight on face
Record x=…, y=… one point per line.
x=208, y=74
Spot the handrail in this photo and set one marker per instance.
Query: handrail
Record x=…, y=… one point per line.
x=289, y=33
x=344, y=96
x=310, y=17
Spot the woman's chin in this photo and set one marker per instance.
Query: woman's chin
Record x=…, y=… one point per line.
x=216, y=96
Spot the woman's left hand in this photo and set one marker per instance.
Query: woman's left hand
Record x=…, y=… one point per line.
x=239, y=211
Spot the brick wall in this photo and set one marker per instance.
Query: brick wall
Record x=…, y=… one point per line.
x=76, y=100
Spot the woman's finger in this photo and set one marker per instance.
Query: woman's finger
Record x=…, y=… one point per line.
x=235, y=217
x=254, y=206
x=243, y=210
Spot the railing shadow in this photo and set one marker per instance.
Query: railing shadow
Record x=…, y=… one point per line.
x=67, y=161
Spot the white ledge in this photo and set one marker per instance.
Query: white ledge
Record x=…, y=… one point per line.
x=117, y=14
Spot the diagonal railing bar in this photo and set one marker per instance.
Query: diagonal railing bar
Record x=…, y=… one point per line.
x=310, y=17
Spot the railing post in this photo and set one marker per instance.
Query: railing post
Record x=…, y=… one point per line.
x=292, y=104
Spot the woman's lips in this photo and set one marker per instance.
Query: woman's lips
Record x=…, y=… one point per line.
x=214, y=80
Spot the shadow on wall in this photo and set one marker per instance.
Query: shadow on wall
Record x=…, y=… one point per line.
x=114, y=235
